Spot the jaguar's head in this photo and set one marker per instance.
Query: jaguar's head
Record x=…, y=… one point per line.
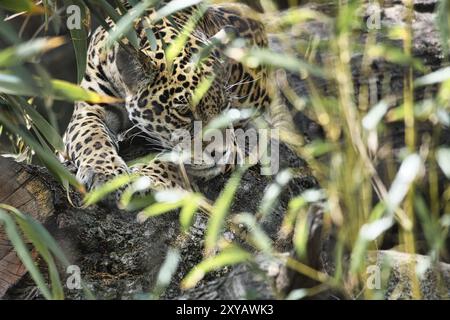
x=165, y=96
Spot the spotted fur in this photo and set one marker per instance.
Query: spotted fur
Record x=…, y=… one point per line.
x=158, y=96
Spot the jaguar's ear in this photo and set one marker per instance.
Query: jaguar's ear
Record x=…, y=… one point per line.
x=133, y=67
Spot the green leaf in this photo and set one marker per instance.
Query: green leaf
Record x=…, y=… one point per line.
x=272, y=193
x=140, y=184
x=23, y=52
x=318, y=148
x=7, y=32
x=51, y=244
x=443, y=159
x=227, y=118
x=21, y=5
x=201, y=90
x=134, y=2
x=257, y=56
x=374, y=116
x=174, y=6
x=443, y=24
x=42, y=125
x=125, y=24
x=40, y=234
x=368, y=232
x=47, y=239
x=297, y=294
x=221, y=208
x=301, y=234
x=47, y=8
x=151, y=39
x=67, y=91
x=295, y=16
x=62, y=90
x=23, y=253
x=227, y=257
x=79, y=39
x=430, y=225
x=101, y=19
x=167, y=271
x=437, y=76
x=190, y=207
x=102, y=191
x=409, y=170
x=137, y=202
x=174, y=49
x=49, y=160
x=257, y=236
x=39, y=229
x=395, y=55
x=34, y=236
x=297, y=206
x=158, y=209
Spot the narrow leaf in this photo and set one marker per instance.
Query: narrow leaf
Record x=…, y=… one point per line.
x=228, y=257
x=23, y=52
x=49, y=160
x=23, y=253
x=79, y=39
x=220, y=210
x=21, y=5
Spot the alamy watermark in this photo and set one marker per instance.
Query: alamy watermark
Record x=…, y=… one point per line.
x=73, y=17
x=373, y=281
x=73, y=281
x=373, y=12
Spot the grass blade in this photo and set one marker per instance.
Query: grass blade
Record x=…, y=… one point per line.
x=189, y=209
x=49, y=160
x=21, y=5
x=79, y=39
x=220, y=210
x=101, y=192
x=257, y=235
x=23, y=253
x=42, y=125
x=227, y=257
x=23, y=52
x=62, y=90
x=158, y=209
x=125, y=24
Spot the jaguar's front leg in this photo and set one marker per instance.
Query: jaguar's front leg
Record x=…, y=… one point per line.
x=92, y=146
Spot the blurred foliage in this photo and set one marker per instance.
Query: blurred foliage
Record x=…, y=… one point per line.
x=412, y=195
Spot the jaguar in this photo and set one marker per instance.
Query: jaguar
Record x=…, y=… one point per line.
x=155, y=93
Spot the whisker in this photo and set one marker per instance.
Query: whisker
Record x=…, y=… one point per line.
x=243, y=81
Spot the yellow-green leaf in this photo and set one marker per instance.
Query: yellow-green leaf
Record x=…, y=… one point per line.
x=101, y=192
x=18, y=54
x=49, y=160
x=22, y=251
x=190, y=207
x=21, y=5
x=220, y=210
x=158, y=209
x=64, y=90
x=227, y=257
x=79, y=39
x=61, y=90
